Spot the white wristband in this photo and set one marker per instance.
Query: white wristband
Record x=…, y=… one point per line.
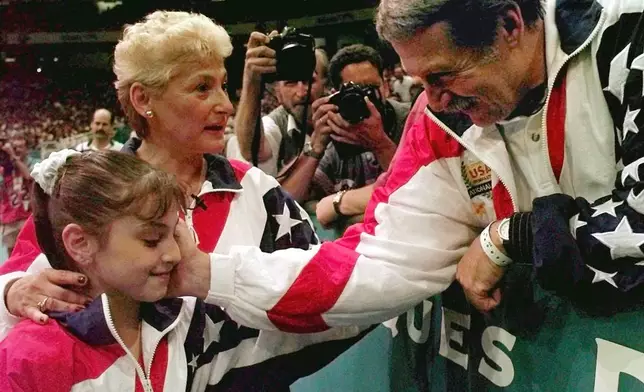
x=493, y=253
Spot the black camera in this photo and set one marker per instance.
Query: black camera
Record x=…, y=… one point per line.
x=350, y=101
x=353, y=108
x=295, y=55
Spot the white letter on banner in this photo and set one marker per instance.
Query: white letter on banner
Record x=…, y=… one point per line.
x=613, y=359
x=503, y=377
x=419, y=336
x=448, y=334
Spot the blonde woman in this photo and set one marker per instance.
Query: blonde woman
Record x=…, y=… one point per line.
x=171, y=83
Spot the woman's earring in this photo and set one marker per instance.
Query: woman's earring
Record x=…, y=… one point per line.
x=149, y=113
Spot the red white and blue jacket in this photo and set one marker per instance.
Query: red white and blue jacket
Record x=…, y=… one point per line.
x=187, y=344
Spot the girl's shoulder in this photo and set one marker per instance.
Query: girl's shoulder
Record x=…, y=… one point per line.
x=32, y=354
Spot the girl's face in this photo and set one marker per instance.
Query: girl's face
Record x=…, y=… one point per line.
x=137, y=257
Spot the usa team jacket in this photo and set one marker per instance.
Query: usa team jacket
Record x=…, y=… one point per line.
x=584, y=237
x=188, y=345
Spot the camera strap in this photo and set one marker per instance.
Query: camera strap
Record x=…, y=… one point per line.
x=257, y=136
x=286, y=170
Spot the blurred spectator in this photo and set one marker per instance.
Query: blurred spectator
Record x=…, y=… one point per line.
x=15, y=167
x=402, y=84
x=102, y=131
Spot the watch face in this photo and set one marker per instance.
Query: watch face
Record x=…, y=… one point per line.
x=504, y=230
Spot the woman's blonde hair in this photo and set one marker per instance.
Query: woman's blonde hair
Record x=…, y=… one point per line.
x=152, y=51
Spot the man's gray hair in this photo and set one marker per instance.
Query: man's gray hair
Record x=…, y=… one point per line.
x=472, y=23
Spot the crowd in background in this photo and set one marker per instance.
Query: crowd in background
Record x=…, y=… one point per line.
x=51, y=109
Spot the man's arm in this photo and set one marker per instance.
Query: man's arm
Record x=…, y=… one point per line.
x=260, y=60
x=298, y=181
x=405, y=251
x=22, y=167
x=353, y=202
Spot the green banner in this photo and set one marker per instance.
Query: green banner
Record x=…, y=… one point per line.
x=534, y=342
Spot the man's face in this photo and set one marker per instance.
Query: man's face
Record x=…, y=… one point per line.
x=101, y=125
x=484, y=86
x=398, y=73
x=19, y=147
x=366, y=74
x=292, y=95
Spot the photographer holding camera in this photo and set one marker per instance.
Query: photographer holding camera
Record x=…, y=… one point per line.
x=364, y=127
x=301, y=72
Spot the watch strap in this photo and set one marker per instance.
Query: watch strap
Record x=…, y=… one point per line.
x=493, y=253
x=310, y=152
x=337, y=200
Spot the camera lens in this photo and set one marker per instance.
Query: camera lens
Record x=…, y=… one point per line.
x=353, y=108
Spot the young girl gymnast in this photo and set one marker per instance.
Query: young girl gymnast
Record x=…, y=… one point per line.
x=116, y=219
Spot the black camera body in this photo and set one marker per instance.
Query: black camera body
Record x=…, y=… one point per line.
x=353, y=108
x=350, y=101
x=295, y=55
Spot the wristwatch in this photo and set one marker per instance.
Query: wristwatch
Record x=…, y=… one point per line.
x=503, y=230
x=310, y=152
x=337, y=199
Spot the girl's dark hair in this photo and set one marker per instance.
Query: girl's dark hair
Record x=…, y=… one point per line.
x=93, y=190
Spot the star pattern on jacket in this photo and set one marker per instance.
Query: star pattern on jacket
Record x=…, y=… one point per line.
x=285, y=223
x=601, y=276
x=629, y=123
x=622, y=241
x=575, y=224
x=618, y=74
x=607, y=208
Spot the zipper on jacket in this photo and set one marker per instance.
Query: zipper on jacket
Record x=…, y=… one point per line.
x=461, y=142
x=145, y=381
x=544, y=118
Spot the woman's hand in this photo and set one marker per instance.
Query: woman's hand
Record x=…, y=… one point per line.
x=191, y=277
x=24, y=295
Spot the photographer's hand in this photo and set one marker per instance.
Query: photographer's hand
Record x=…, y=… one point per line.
x=369, y=133
x=320, y=137
x=260, y=59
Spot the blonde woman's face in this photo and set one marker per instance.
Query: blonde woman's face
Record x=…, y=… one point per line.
x=191, y=114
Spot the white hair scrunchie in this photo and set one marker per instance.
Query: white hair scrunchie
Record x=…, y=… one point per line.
x=45, y=173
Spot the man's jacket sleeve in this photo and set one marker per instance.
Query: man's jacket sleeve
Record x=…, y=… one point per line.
x=415, y=231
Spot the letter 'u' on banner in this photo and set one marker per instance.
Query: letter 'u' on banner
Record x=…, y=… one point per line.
x=613, y=359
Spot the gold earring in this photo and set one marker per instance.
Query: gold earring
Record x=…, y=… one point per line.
x=149, y=113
